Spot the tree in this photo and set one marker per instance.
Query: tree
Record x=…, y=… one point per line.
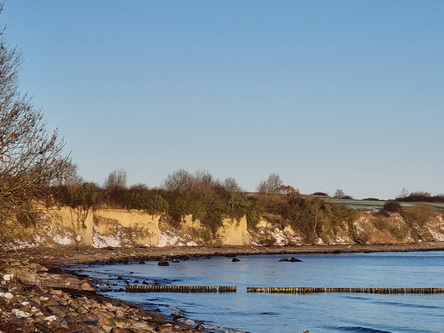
x=116, y=180
x=271, y=185
x=404, y=193
x=230, y=185
x=30, y=157
x=180, y=181
x=339, y=194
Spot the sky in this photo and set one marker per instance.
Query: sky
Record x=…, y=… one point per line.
x=345, y=94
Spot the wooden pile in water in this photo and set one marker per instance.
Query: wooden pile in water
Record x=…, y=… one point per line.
x=279, y=290
x=179, y=289
x=310, y=290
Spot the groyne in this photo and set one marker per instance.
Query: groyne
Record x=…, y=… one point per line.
x=313, y=290
x=279, y=290
x=179, y=289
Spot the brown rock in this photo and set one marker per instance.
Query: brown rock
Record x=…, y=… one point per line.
x=87, y=287
x=122, y=322
x=26, y=276
x=57, y=310
x=79, y=327
x=107, y=328
x=120, y=313
x=82, y=310
x=140, y=325
x=91, y=317
x=60, y=330
x=122, y=330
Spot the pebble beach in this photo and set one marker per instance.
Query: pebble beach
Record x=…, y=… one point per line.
x=37, y=295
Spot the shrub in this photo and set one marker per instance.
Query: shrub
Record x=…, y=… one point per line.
x=392, y=206
x=236, y=205
x=140, y=197
x=77, y=195
x=419, y=214
x=320, y=194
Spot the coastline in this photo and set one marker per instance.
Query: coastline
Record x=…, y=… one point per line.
x=39, y=275
x=55, y=257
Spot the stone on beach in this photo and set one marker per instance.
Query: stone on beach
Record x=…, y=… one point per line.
x=44, y=307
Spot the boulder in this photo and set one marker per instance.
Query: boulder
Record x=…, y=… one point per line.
x=87, y=287
x=292, y=259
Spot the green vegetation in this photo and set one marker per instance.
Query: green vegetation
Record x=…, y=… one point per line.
x=210, y=201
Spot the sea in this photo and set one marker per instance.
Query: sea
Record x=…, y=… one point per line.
x=243, y=311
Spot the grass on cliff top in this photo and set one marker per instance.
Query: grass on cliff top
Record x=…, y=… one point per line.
x=370, y=205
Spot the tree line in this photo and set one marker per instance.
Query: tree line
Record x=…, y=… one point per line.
x=210, y=200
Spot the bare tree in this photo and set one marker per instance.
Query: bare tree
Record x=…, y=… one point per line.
x=231, y=185
x=271, y=185
x=339, y=194
x=116, y=180
x=30, y=157
x=180, y=181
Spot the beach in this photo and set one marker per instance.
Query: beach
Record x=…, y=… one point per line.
x=38, y=295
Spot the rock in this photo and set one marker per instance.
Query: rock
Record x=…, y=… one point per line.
x=166, y=328
x=87, y=287
x=26, y=276
x=120, y=313
x=50, y=318
x=8, y=277
x=61, y=330
x=7, y=295
x=122, y=322
x=140, y=325
x=20, y=313
x=78, y=326
x=292, y=259
x=33, y=299
x=163, y=263
x=57, y=310
x=82, y=310
x=107, y=328
x=122, y=330
x=235, y=260
x=41, y=327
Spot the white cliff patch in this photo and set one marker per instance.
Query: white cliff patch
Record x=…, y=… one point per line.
x=100, y=241
x=437, y=236
x=65, y=239
x=168, y=239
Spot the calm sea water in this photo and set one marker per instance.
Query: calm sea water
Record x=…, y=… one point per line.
x=264, y=313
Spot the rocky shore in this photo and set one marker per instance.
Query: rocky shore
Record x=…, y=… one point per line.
x=36, y=295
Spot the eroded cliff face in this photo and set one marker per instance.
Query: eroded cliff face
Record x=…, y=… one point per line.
x=126, y=228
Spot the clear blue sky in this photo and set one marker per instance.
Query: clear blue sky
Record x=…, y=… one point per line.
x=328, y=94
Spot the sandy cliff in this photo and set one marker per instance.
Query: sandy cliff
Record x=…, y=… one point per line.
x=133, y=228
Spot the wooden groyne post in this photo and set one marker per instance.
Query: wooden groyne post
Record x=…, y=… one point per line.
x=312, y=290
x=179, y=289
x=279, y=290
